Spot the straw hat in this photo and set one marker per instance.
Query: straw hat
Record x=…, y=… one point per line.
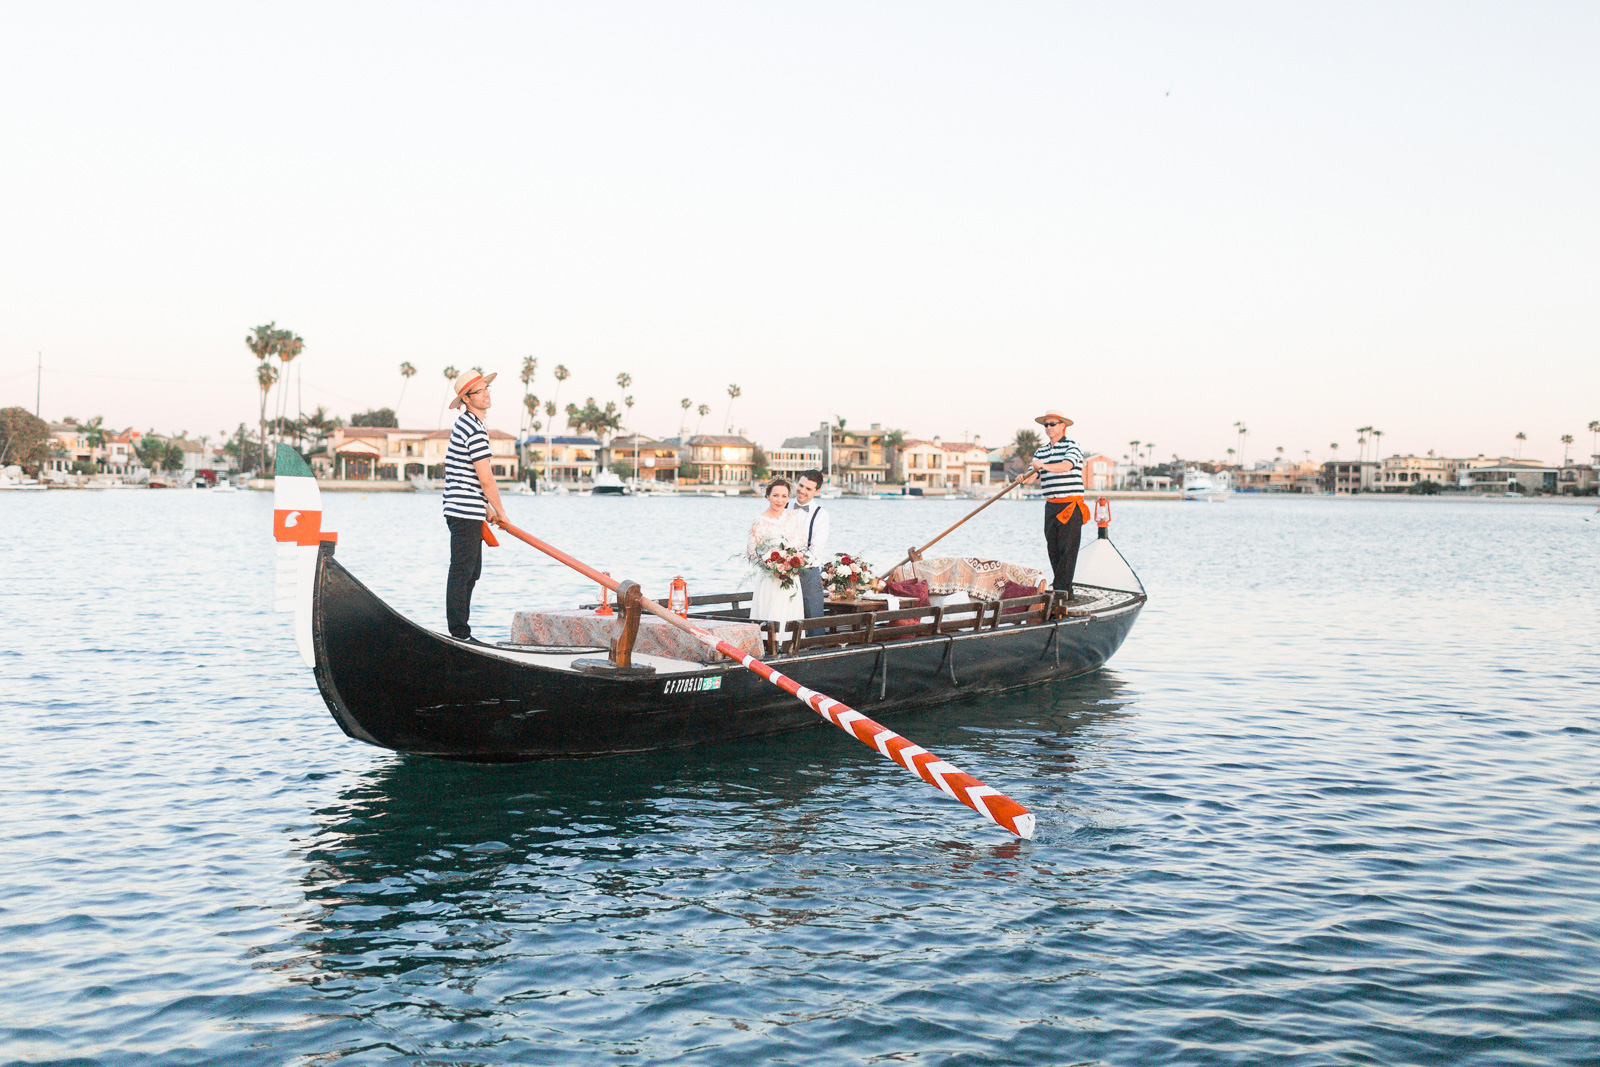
x=461, y=390
x=1054, y=413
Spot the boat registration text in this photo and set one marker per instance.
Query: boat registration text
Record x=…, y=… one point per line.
x=692, y=685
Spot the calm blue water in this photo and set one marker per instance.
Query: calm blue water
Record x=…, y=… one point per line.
x=1334, y=802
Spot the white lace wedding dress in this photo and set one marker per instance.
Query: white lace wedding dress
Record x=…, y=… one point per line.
x=772, y=601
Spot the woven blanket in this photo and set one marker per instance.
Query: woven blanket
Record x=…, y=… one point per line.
x=981, y=579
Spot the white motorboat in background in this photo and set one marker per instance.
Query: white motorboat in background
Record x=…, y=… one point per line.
x=11, y=478
x=1199, y=485
x=607, y=483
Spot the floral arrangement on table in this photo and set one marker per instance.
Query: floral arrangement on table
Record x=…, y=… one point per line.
x=783, y=562
x=846, y=577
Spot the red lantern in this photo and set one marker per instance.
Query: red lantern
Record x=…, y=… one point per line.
x=678, y=597
x=1102, y=512
x=605, y=598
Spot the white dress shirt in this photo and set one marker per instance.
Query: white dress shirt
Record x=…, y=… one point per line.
x=814, y=518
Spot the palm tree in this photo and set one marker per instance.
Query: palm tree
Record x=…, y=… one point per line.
x=549, y=442
x=1566, y=441
x=683, y=420
x=266, y=375
x=407, y=372
x=1230, y=457
x=289, y=348
x=1594, y=439
x=627, y=402
x=1361, y=441
x=530, y=367
x=1377, y=439
x=733, y=394
x=623, y=381
x=262, y=343
x=1521, y=437
x=561, y=374
x=703, y=410
x=450, y=375
x=1280, y=453
x=1025, y=444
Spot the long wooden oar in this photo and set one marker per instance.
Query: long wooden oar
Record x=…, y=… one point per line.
x=919, y=761
x=917, y=553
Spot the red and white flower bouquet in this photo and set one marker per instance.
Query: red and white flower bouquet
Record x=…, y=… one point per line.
x=845, y=577
x=782, y=561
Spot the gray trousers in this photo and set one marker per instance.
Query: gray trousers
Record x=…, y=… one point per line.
x=811, y=591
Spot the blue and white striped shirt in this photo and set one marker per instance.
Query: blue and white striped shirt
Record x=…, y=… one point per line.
x=463, y=494
x=1058, y=484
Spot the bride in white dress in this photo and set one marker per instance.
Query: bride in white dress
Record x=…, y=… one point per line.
x=772, y=601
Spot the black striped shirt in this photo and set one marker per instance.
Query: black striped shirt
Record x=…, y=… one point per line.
x=1055, y=483
x=463, y=493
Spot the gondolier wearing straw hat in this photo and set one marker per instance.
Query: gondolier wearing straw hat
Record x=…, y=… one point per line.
x=471, y=500
x=1058, y=466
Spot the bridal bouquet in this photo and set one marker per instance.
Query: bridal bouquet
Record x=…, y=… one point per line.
x=845, y=576
x=781, y=561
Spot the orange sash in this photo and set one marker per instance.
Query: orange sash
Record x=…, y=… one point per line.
x=1074, y=503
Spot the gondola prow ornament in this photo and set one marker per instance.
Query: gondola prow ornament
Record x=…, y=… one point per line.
x=297, y=527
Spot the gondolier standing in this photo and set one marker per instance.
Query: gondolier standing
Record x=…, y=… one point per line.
x=1058, y=466
x=470, y=499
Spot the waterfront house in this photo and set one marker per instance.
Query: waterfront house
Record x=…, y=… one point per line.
x=798, y=455
x=646, y=457
x=1578, y=479
x=1281, y=476
x=386, y=453
x=1345, y=476
x=943, y=466
x=722, y=459
x=1099, y=474
x=562, y=458
x=851, y=456
x=1397, y=473
x=1501, y=475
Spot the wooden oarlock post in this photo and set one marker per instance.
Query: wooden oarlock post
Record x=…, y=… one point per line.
x=620, y=661
x=628, y=595
x=990, y=803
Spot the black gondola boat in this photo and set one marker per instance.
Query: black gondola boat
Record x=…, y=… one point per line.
x=394, y=684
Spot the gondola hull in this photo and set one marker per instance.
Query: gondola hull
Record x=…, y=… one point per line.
x=392, y=683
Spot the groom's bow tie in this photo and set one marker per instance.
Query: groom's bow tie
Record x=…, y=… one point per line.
x=802, y=507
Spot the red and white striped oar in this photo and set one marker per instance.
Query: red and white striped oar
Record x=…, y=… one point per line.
x=990, y=803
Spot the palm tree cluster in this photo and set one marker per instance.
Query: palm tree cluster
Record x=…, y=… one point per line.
x=265, y=342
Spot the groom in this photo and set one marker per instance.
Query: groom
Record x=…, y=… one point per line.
x=814, y=521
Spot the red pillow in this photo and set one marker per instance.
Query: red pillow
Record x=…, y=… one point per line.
x=1012, y=591
x=912, y=594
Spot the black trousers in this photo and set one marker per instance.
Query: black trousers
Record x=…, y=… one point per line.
x=1061, y=541
x=466, y=565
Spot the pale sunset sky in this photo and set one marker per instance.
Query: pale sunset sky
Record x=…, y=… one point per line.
x=1164, y=218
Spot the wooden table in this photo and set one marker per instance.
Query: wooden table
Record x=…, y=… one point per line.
x=851, y=607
